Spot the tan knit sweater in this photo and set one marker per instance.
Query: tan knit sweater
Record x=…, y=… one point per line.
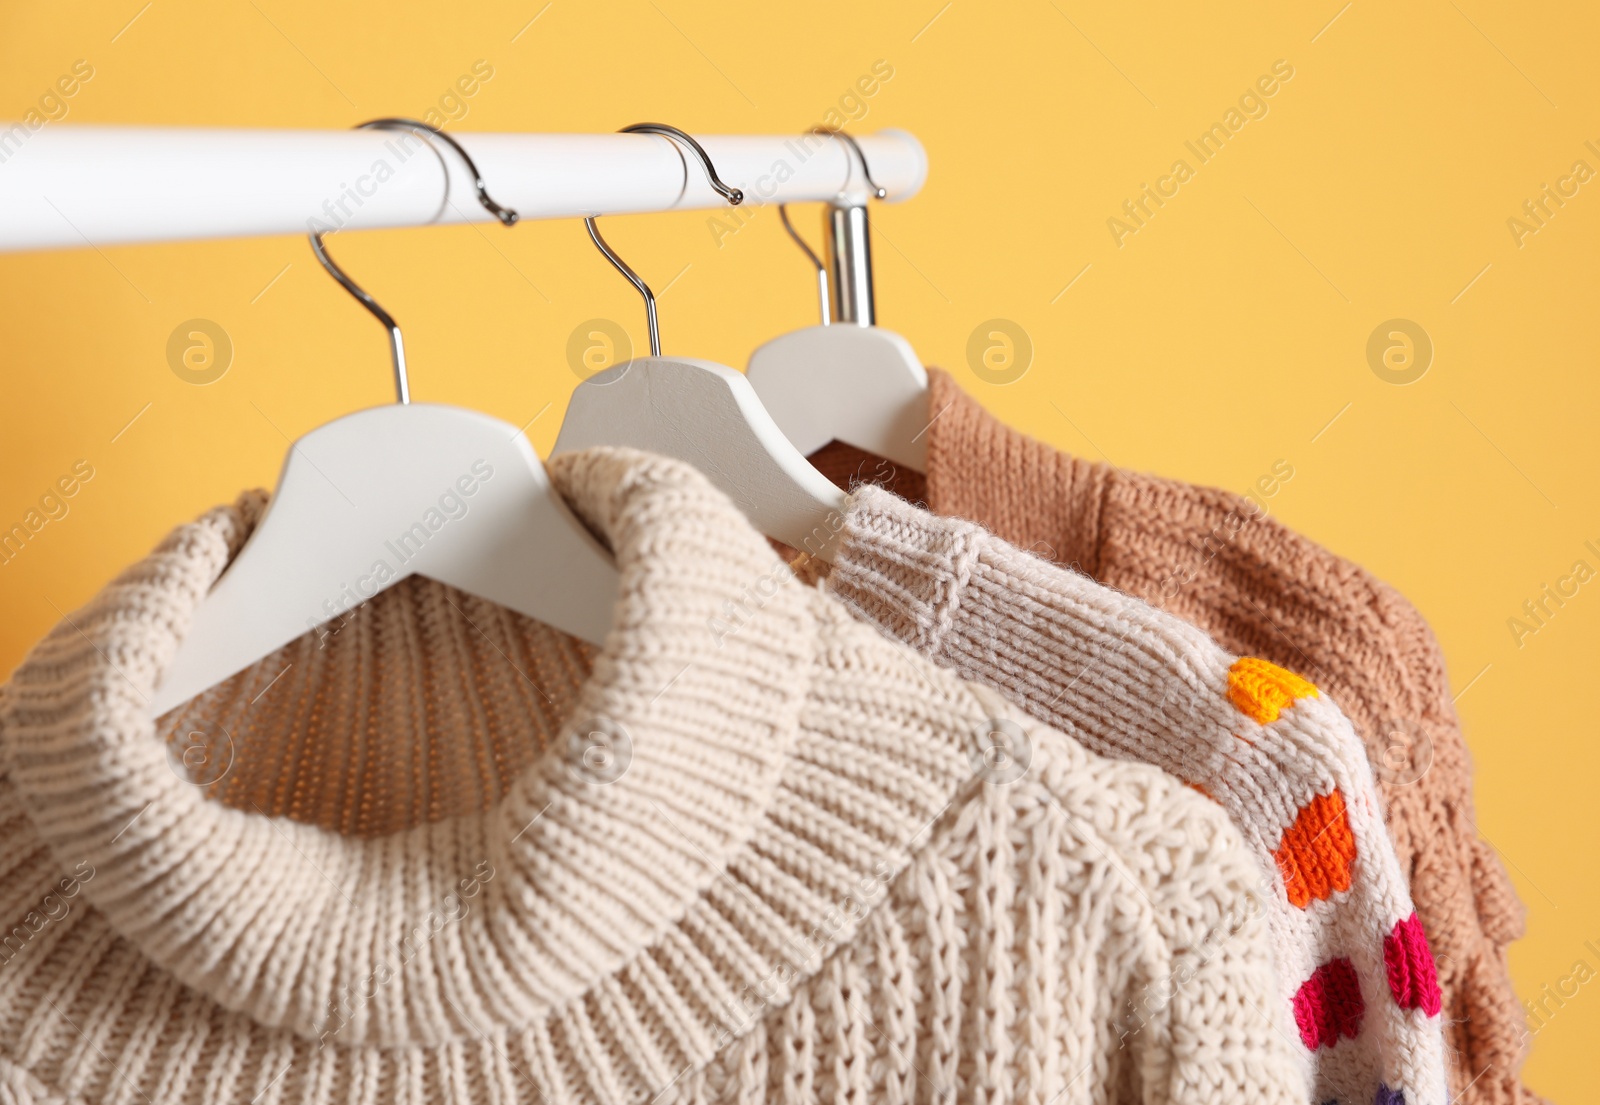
x=1259, y=589
x=1132, y=682
x=749, y=850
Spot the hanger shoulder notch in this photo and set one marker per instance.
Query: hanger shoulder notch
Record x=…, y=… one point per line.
x=382, y=494
x=861, y=385
x=708, y=415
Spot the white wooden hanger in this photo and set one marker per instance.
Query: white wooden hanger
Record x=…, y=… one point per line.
x=861, y=385
x=704, y=413
x=382, y=494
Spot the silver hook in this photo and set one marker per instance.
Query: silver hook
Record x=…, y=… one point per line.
x=397, y=347
x=506, y=216
x=877, y=191
x=733, y=195
x=783, y=213
x=822, y=270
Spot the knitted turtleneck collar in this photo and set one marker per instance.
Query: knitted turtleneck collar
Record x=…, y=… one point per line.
x=597, y=882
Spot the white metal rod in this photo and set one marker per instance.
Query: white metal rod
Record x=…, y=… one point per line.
x=73, y=186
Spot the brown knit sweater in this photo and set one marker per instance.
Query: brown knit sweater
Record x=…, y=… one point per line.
x=1216, y=560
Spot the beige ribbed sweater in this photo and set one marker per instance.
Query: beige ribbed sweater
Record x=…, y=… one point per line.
x=749, y=850
x=1129, y=681
x=1258, y=588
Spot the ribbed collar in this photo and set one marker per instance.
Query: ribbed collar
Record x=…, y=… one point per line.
x=604, y=900
x=980, y=469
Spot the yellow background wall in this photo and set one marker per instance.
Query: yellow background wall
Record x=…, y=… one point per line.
x=1224, y=335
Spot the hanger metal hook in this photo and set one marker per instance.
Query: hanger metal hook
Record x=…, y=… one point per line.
x=816, y=262
x=506, y=216
x=397, y=347
x=878, y=192
x=733, y=195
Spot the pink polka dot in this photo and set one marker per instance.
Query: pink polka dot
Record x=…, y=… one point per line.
x=1328, y=1005
x=1413, y=978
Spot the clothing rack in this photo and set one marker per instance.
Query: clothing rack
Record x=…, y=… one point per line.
x=64, y=187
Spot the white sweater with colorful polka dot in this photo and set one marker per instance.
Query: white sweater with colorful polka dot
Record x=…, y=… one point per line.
x=1131, y=682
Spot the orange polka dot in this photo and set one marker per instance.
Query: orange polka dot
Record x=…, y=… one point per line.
x=1261, y=690
x=1317, y=851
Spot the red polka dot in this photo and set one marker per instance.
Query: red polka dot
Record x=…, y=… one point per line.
x=1328, y=1005
x=1413, y=978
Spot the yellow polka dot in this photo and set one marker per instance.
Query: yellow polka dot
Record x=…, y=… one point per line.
x=1261, y=690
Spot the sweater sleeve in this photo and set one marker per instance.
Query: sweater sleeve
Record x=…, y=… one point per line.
x=1103, y=666
x=1180, y=981
x=1215, y=560
x=1224, y=1026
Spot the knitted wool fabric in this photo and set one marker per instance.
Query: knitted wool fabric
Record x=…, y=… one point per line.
x=749, y=850
x=1129, y=681
x=1260, y=589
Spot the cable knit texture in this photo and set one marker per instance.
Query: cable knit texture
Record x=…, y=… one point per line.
x=1129, y=681
x=748, y=850
x=1259, y=589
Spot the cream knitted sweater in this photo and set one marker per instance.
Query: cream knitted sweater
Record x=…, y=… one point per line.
x=1132, y=682
x=749, y=850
